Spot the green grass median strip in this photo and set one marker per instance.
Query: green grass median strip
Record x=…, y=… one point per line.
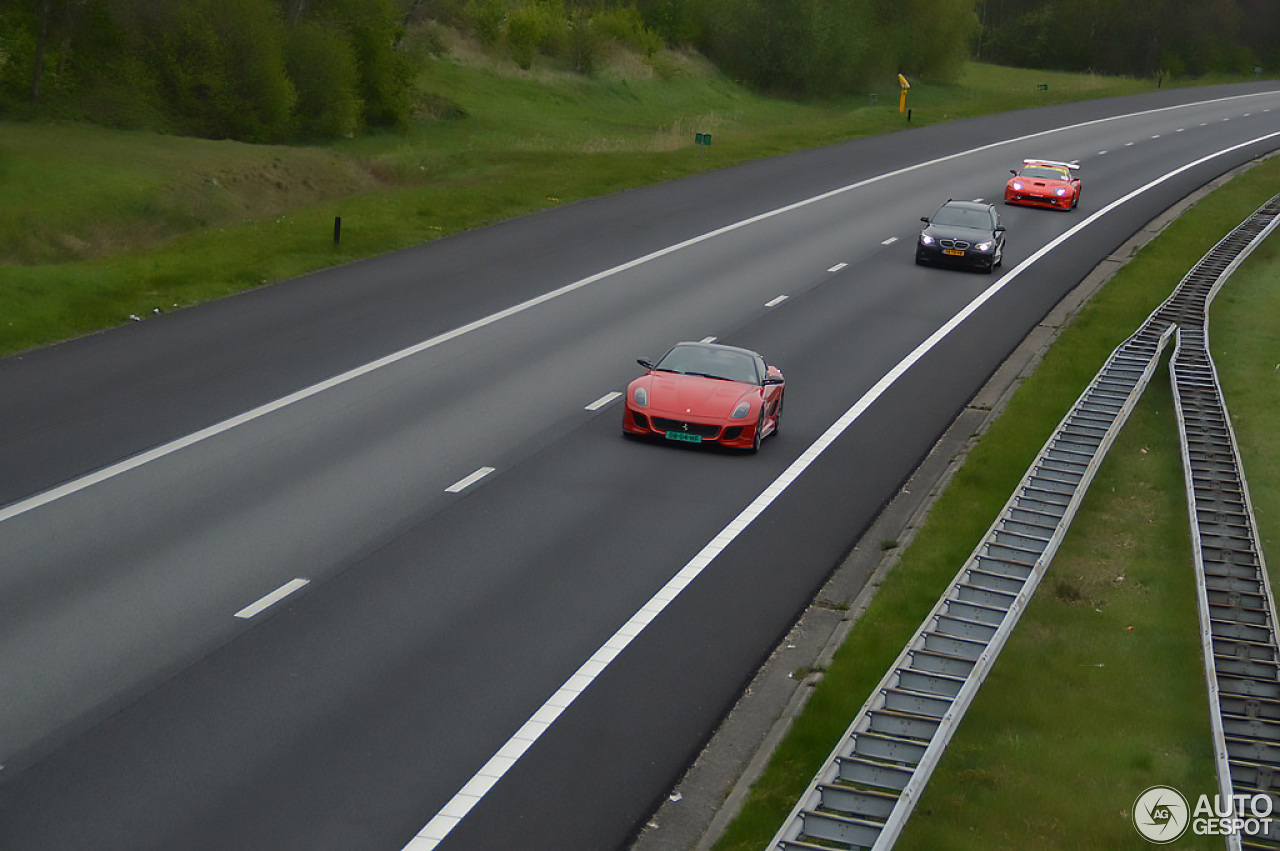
x=1099, y=692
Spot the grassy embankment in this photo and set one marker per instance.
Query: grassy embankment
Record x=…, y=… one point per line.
x=97, y=224
x=1099, y=693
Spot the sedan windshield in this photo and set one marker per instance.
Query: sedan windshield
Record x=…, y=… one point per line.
x=711, y=362
x=962, y=217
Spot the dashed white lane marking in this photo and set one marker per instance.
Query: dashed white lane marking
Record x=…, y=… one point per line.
x=890, y=241
x=775, y=302
x=1157, y=136
x=839, y=266
x=603, y=400
x=271, y=599
x=708, y=340
x=1101, y=153
x=1128, y=144
x=466, y=482
x=453, y=812
x=77, y=485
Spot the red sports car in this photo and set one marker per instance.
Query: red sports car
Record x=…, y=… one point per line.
x=706, y=393
x=1044, y=183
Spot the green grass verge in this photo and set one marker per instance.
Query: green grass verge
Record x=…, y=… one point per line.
x=97, y=225
x=1099, y=692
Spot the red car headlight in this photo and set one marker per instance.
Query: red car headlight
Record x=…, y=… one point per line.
x=640, y=397
x=741, y=410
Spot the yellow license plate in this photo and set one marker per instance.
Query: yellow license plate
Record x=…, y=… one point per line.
x=954, y=252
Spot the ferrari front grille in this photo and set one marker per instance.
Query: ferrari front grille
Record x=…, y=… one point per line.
x=704, y=430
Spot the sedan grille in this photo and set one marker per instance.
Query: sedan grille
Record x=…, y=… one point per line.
x=954, y=243
x=705, y=430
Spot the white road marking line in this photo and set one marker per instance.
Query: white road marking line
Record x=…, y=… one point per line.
x=890, y=241
x=775, y=302
x=1101, y=153
x=488, y=776
x=707, y=340
x=1157, y=136
x=603, y=400
x=466, y=482
x=1128, y=144
x=109, y=472
x=839, y=266
x=977, y=200
x=271, y=599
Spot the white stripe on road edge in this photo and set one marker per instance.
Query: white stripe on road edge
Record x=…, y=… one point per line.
x=839, y=266
x=488, y=776
x=603, y=400
x=271, y=599
x=775, y=302
x=77, y=485
x=464, y=483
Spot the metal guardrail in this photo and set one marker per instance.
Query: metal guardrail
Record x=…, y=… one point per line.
x=1237, y=609
x=864, y=793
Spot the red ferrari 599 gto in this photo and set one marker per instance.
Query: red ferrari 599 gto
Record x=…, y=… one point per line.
x=706, y=393
x=1044, y=183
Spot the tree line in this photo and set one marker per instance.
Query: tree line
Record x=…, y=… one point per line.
x=278, y=70
x=1179, y=38
x=255, y=70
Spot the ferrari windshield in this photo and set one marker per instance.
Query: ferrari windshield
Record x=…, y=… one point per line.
x=1041, y=173
x=711, y=362
x=964, y=217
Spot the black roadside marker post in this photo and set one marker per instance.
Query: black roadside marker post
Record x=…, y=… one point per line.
x=337, y=229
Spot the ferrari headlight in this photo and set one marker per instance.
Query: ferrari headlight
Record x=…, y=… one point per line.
x=1060, y=191
x=1017, y=186
x=640, y=396
x=984, y=247
x=925, y=239
x=740, y=410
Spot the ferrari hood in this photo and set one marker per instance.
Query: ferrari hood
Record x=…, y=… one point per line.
x=695, y=396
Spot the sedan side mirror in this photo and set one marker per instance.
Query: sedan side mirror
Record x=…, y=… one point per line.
x=924, y=219
x=999, y=228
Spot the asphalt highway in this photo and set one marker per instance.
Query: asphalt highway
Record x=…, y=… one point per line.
x=362, y=561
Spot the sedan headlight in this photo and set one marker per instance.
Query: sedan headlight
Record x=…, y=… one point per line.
x=740, y=410
x=984, y=247
x=640, y=396
x=925, y=239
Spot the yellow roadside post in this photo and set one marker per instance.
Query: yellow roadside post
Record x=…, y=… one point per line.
x=902, y=101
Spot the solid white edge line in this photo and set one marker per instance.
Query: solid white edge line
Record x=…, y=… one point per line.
x=271, y=599
x=465, y=800
x=467, y=481
x=603, y=400
x=109, y=472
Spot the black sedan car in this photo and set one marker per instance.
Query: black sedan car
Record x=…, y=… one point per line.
x=962, y=233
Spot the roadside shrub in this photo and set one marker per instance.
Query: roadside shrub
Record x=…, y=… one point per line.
x=323, y=69
x=624, y=25
x=528, y=29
